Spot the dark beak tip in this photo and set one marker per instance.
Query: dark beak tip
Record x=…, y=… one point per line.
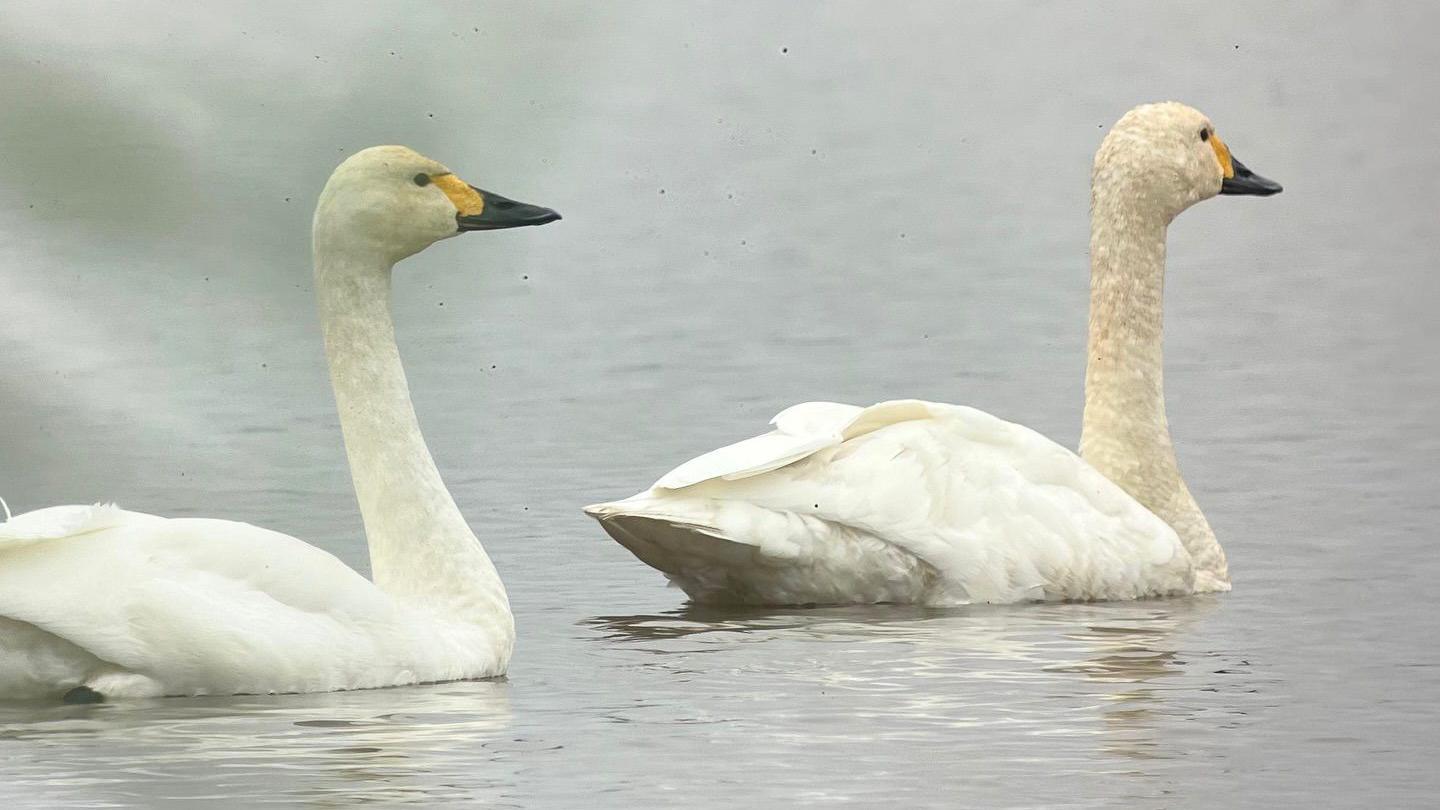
x=1250, y=184
x=1266, y=187
x=502, y=213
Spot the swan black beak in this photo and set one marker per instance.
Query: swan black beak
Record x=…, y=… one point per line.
x=502, y=212
x=1248, y=182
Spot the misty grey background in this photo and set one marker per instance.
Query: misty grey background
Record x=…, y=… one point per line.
x=764, y=203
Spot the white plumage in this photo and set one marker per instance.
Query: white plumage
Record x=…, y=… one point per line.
x=900, y=502
x=918, y=502
x=135, y=605
x=97, y=602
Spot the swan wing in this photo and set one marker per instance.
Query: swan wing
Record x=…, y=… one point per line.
x=903, y=501
x=200, y=605
x=799, y=431
x=60, y=521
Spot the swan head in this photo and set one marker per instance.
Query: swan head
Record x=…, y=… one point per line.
x=396, y=202
x=1168, y=157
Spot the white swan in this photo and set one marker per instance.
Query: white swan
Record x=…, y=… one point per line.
x=919, y=502
x=97, y=602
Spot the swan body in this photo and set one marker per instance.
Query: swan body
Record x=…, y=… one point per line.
x=97, y=602
x=919, y=502
x=134, y=605
x=898, y=502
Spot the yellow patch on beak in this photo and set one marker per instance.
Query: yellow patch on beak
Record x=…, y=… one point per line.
x=467, y=200
x=1222, y=154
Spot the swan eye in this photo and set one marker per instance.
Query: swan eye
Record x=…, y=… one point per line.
x=1205, y=134
x=422, y=179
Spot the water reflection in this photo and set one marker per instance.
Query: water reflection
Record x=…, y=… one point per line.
x=411, y=745
x=1068, y=672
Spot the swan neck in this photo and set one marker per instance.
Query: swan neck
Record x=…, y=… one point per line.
x=1124, y=375
x=421, y=549
x=1126, y=435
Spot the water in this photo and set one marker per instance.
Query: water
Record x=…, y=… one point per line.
x=764, y=204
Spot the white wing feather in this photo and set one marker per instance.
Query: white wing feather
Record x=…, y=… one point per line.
x=799, y=431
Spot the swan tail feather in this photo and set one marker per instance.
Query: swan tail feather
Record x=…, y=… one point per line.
x=82, y=694
x=664, y=539
x=726, y=552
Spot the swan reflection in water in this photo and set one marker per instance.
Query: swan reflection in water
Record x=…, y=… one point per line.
x=1069, y=673
x=405, y=745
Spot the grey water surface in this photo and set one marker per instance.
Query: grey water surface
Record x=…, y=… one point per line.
x=764, y=203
